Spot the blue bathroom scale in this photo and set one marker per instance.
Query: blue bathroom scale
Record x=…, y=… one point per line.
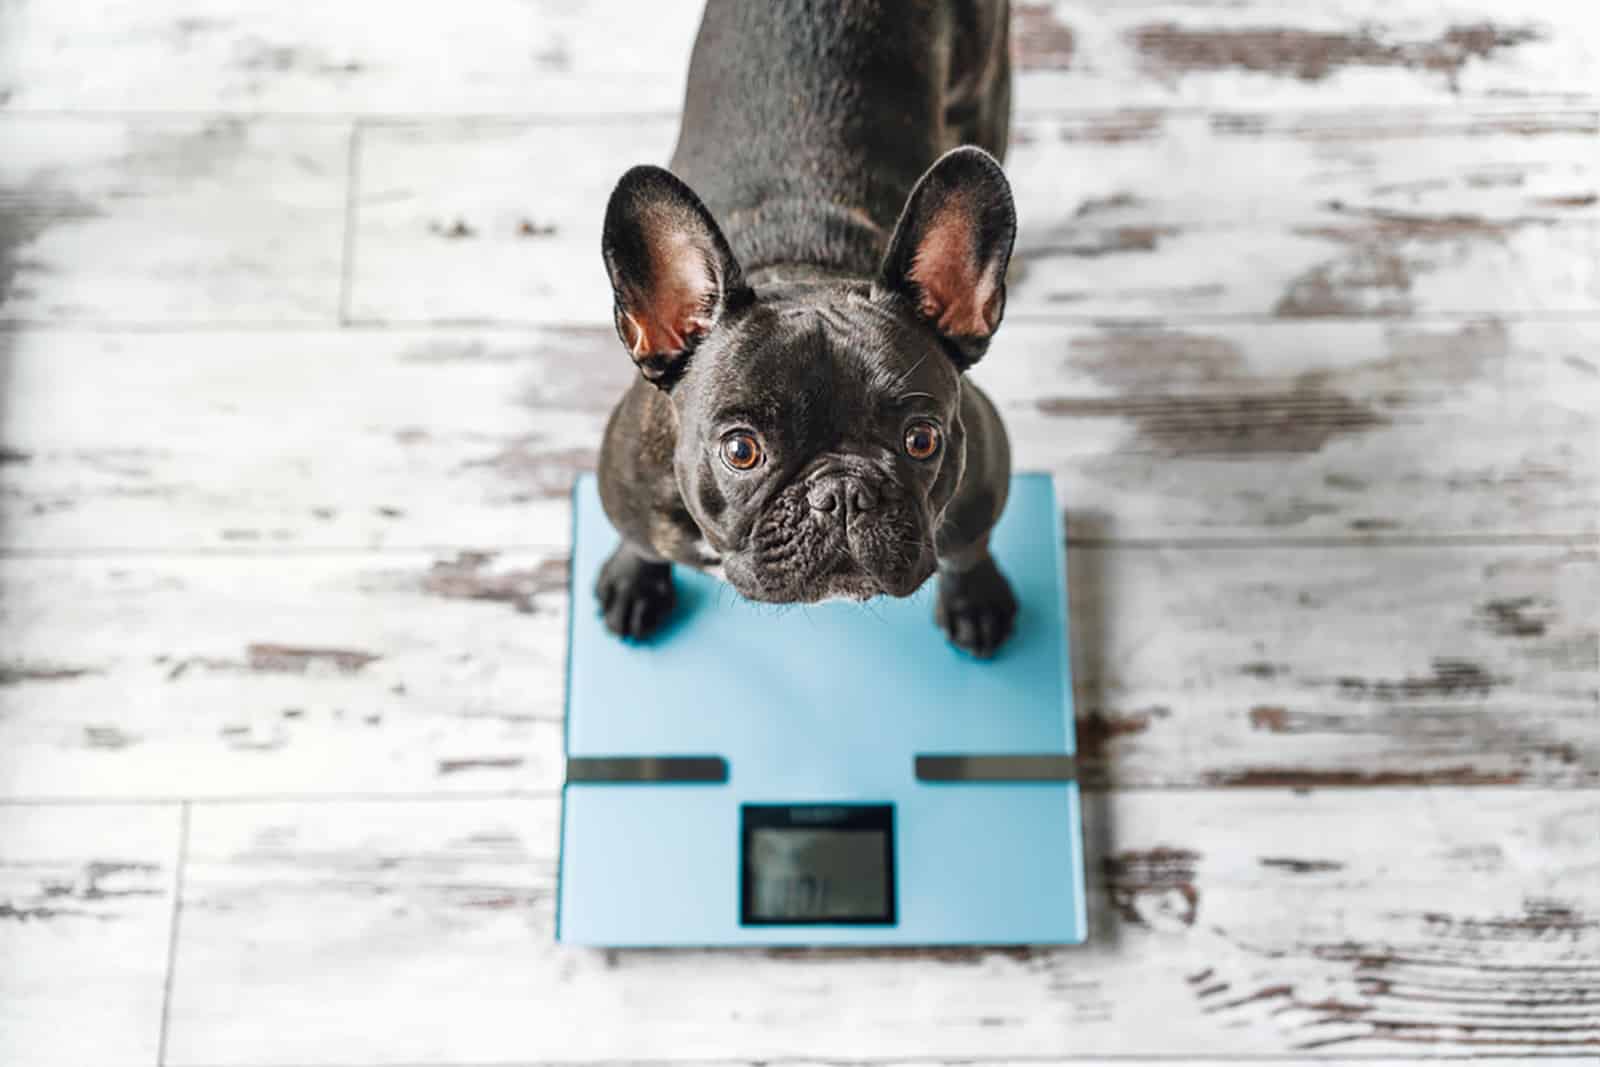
x=836, y=774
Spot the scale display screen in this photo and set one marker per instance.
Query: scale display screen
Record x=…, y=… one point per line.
x=817, y=863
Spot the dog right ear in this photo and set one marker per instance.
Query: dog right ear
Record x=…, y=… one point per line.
x=672, y=272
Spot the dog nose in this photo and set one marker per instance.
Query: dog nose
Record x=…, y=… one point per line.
x=841, y=493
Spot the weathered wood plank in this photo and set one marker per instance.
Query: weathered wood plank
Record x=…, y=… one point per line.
x=1123, y=214
x=470, y=438
x=1434, y=922
x=170, y=220
x=556, y=57
x=420, y=673
x=86, y=899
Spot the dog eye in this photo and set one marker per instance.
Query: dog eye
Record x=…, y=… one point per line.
x=741, y=451
x=922, y=440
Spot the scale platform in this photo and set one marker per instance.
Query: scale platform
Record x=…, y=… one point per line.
x=830, y=775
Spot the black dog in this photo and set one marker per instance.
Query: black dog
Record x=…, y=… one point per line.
x=801, y=421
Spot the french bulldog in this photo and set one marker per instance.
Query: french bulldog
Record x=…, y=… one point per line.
x=801, y=423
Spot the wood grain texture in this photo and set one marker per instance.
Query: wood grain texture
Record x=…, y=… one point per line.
x=1122, y=214
x=1434, y=922
x=564, y=57
x=170, y=220
x=471, y=438
x=416, y=673
x=86, y=899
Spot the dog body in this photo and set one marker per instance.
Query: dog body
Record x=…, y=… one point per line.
x=801, y=421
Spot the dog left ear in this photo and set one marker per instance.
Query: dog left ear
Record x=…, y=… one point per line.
x=672, y=273
x=951, y=247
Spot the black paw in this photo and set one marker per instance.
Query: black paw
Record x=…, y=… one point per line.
x=635, y=595
x=976, y=609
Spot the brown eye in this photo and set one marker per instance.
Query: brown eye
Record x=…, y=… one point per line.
x=922, y=440
x=741, y=451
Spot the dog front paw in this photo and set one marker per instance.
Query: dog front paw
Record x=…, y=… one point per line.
x=636, y=595
x=976, y=608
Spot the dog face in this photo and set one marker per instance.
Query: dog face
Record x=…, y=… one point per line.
x=818, y=436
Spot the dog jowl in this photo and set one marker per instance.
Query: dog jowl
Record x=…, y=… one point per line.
x=802, y=423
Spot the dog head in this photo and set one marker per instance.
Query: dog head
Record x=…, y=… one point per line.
x=819, y=435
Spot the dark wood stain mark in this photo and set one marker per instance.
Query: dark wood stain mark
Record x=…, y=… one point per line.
x=1315, y=778
x=1097, y=205
x=1367, y=281
x=298, y=659
x=1300, y=420
x=1575, y=200
x=1270, y=718
x=466, y=577
x=1449, y=678
x=243, y=739
x=1523, y=616
x=1410, y=225
x=529, y=228
x=1039, y=39
x=1311, y=56
x=1097, y=729
x=1155, y=887
x=481, y=763
x=98, y=882
x=1541, y=920
x=455, y=230
x=1295, y=866
x=21, y=673
x=1263, y=670
x=107, y=738
x=388, y=512
x=1157, y=361
x=13, y=456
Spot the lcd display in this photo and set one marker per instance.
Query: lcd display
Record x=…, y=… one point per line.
x=818, y=864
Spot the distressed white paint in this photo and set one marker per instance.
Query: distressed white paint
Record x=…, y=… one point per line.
x=170, y=220
x=86, y=899
x=421, y=933
x=421, y=673
x=566, y=56
x=365, y=439
x=1121, y=215
x=250, y=560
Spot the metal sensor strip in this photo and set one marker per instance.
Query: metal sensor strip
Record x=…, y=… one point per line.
x=1037, y=768
x=646, y=769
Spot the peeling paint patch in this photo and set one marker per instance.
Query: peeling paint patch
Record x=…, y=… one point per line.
x=295, y=659
x=1300, y=420
x=1309, y=55
x=466, y=577
x=1314, y=778
x=1449, y=678
x=1097, y=729
x=1523, y=616
x=457, y=766
x=21, y=673
x=1039, y=39
x=1296, y=866
x=1154, y=888
x=1270, y=718
x=107, y=738
x=1157, y=361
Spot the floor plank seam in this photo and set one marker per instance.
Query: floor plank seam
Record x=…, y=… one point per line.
x=173, y=932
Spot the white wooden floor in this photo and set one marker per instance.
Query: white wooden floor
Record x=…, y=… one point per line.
x=305, y=335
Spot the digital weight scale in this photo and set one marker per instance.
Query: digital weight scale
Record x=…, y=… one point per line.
x=835, y=774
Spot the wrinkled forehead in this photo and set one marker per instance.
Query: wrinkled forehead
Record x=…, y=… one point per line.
x=798, y=364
